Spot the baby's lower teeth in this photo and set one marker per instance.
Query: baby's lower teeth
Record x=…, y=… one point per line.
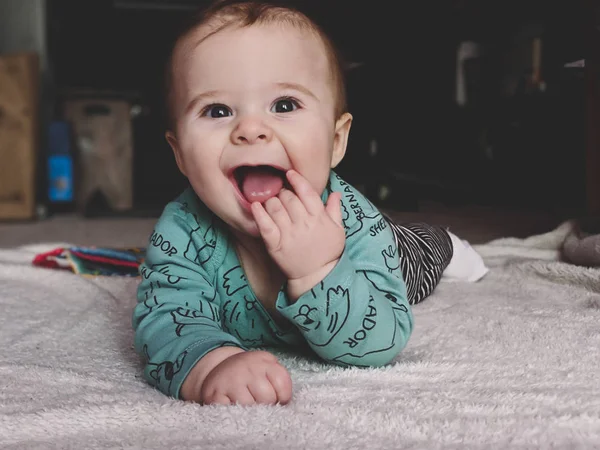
x=254, y=194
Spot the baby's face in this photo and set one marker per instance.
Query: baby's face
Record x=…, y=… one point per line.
x=251, y=103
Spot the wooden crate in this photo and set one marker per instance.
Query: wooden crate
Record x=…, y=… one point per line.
x=19, y=104
x=104, y=141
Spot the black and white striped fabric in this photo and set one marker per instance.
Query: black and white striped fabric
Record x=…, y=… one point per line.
x=424, y=251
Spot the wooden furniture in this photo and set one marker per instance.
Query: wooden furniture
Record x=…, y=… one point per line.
x=102, y=135
x=19, y=81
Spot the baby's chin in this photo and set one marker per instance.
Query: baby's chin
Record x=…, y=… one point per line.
x=245, y=228
x=237, y=218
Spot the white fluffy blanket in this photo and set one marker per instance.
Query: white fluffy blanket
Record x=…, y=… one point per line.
x=509, y=362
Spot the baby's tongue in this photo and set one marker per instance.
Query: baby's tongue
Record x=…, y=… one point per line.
x=261, y=183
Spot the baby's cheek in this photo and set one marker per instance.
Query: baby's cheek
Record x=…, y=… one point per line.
x=318, y=143
x=310, y=153
x=317, y=172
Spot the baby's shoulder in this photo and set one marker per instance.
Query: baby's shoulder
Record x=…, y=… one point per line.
x=185, y=212
x=359, y=214
x=190, y=227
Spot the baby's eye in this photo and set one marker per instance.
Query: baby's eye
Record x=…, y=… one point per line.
x=284, y=105
x=216, y=111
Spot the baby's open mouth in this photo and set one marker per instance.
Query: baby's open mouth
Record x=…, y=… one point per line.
x=259, y=183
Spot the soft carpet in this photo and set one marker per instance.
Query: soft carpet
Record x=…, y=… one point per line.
x=509, y=362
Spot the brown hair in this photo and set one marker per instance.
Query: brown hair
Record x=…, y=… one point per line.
x=246, y=13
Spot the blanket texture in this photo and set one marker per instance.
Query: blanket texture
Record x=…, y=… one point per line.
x=508, y=362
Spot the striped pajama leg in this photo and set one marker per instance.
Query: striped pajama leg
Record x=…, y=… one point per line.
x=424, y=251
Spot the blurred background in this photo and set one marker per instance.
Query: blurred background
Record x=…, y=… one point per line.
x=456, y=102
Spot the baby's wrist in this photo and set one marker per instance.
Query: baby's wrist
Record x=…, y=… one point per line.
x=296, y=287
x=191, y=389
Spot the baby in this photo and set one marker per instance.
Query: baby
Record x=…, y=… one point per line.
x=268, y=246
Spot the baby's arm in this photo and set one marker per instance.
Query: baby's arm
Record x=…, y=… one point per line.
x=178, y=326
x=358, y=314
x=345, y=290
x=176, y=320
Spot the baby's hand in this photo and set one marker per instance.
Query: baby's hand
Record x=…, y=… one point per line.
x=304, y=237
x=248, y=378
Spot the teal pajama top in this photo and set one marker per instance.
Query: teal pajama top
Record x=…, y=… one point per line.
x=194, y=297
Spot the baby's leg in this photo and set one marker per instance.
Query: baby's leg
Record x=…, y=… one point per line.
x=424, y=252
x=466, y=264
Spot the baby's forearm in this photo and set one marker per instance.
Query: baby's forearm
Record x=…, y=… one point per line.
x=359, y=318
x=191, y=389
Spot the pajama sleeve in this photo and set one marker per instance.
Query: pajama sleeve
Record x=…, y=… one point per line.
x=176, y=319
x=359, y=314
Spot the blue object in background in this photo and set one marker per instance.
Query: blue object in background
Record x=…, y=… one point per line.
x=60, y=163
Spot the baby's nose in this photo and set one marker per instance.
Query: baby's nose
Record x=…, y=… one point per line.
x=251, y=130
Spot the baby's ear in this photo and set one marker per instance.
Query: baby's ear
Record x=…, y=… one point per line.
x=340, y=140
x=172, y=140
